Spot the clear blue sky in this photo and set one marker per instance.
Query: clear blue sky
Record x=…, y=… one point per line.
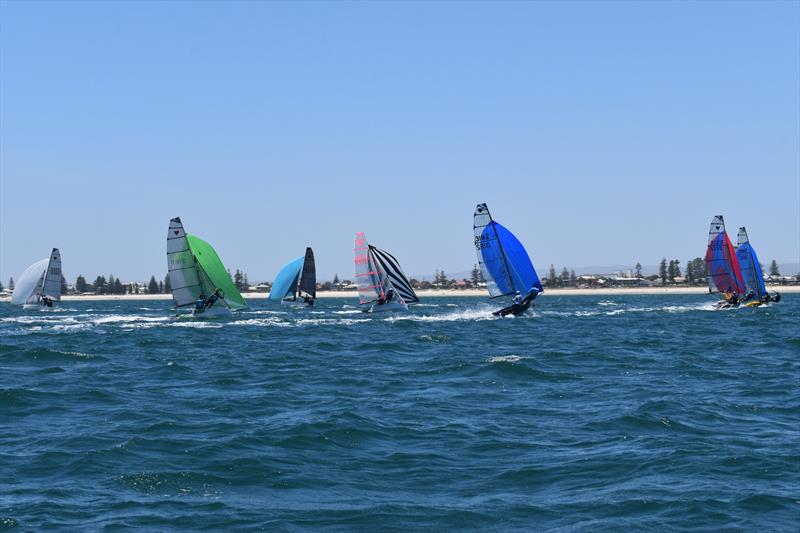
x=600, y=133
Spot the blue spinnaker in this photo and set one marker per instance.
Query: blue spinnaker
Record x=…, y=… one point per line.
x=751, y=269
x=508, y=264
x=286, y=281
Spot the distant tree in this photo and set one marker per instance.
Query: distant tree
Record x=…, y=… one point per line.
x=662, y=271
x=245, y=282
x=414, y=283
x=64, y=288
x=336, y=279
x=119, y=288
x=129, y=288
x=573, y=279
x=152, y=286
x=638, y=269
x=698, y=270
x=160, y=287
x=99, y=285
x=674, y=270
x=551, y=277
x=80, y=284
x=110, y=284
x=237, y=279
x=475, y=275
x=441, y=278
x=167, y=285
x=425, y=285
x=326, y=286
x=564, y=276
x=11, y=284
x=773, y=269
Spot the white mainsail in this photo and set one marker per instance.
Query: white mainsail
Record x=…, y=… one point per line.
x=184, y=279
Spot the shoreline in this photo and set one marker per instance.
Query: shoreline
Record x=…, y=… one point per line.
x=432, y=293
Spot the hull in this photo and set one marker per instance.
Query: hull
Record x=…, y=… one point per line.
x=394, y=305
x=297, y=304
x=41, y=307
x=214, y=312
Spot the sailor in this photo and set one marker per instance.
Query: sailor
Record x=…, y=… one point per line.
x=200, y=304
x=213, y=298
x=749, y=296
x=517, y=298
x=47, y=301
x=386, y=298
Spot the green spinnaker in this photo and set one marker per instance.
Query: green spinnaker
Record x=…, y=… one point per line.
x=213, y=268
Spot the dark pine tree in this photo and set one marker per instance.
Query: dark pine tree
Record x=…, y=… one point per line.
x=64, y=288
x=152, y=286
x=80, y=284
x=167, y=286
x=160, y=287
x=573, y=279
x=551, y=277
x=773, y=269
x=119, y=288
x=100, y=285
x=237, y=279
x=638, y=269
x=475, y=275
x=662, y=271
x=336, y=279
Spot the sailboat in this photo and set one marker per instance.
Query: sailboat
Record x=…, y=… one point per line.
x=751, y=272
x=197, y=276
x=724, y=271
x=40, y=285
x=506, y=267
x=298, y=278
x=382, y=284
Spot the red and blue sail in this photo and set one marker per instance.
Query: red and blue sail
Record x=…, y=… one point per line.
x=505, y=264
x=724, y=271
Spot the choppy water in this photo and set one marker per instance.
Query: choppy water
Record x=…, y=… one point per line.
x=592, y=413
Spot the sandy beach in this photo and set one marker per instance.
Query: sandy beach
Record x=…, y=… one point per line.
x=443, y=293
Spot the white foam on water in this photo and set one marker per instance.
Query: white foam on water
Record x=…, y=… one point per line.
x=464, y=314
x=505, y=359
x=199, y=324
x=262, y=322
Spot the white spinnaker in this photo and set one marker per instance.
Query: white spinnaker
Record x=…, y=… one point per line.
x=26, y=289
x=183, y=276
x=51, y=287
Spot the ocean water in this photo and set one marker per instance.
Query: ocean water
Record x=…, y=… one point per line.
x=590, y=413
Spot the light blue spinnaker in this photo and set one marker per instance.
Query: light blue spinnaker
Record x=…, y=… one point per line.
x=751, y=269
x=505, y=264
x=285, y=283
